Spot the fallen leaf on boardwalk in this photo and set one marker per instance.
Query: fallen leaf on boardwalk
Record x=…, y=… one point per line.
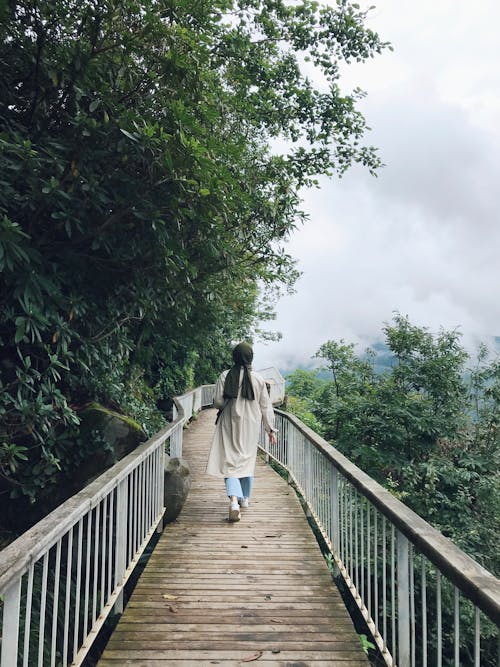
x=275, y=620
x=268, y=596
x=244, y=546
x=251, y=658
x=167, y=596
x=173, y=609
x=275, y=650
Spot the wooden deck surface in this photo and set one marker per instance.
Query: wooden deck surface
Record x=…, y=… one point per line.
x=219, y=593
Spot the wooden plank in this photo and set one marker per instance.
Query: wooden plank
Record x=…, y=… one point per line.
x=215, y=592
x=197, y=658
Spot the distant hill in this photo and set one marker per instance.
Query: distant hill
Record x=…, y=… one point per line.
x=383, y=360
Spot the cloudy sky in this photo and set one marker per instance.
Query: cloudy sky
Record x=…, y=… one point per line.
x=424, y=237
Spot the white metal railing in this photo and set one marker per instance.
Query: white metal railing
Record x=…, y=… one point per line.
x=60, y=579
x=426, y=602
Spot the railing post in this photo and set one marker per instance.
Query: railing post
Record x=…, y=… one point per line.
x=121, y=539
x=10, y=626
x=403, y=642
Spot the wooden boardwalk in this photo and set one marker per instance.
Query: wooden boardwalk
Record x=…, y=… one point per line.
x=217, y=593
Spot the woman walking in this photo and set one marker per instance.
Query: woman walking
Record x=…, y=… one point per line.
x=243, y=401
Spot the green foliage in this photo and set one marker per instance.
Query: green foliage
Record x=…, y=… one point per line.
x=366, y=644
x=141, y=207
x=427, y=429
x=303, y=388
x=301, y=408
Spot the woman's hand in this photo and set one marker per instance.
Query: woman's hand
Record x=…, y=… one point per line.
x=272, y=438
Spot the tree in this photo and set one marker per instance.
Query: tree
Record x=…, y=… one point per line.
x=141, y=205
x=427, y=428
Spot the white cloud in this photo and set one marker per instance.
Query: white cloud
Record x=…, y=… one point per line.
x=424, y=237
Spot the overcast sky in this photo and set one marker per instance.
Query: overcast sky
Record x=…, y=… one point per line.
x=424, y=237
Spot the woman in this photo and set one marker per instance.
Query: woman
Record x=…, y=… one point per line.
x=243, y=401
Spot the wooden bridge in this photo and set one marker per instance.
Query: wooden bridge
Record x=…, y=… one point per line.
x=255, y=591
x=225, y=593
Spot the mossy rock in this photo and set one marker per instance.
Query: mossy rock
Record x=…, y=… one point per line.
x=118, y=433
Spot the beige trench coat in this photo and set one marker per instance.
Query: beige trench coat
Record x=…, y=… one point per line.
x=234, y=446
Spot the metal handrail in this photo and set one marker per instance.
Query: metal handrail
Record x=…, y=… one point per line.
x=60, y=580
x=390, y=558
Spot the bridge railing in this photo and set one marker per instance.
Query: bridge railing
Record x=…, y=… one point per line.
x=61, y=579
x=425, y=602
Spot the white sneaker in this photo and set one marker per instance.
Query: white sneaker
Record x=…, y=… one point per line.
x=244, y=502
x=234, y=512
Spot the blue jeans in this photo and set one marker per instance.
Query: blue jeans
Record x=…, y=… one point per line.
x=241, y=487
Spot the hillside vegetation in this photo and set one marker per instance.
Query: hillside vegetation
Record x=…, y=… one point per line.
x=428, y=428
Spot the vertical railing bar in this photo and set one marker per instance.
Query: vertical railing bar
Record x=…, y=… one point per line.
x=152, y=486
x=341, y=514
x=132, y=490
x=145, y=494
x=368, y=554
x=158, y=480
x=161, y=459
x=104, y=553
x=344, y=522
x=141, y=503
x=403, y=601
x=424, y=614
x=67, y=600
x=110, y=542
x=55, y=604
x=147, y=488
x=87, y=576
x=27, y=617
x=154, y=482
x=335, y=511
x=43, y=603
x=393, y=595
x=140, y=500
x=10, y=623
x=412, y=609
x=350, y=533
x=78, y=583
x=375, y=567
x=134, y=509
x=130, y=532
x=384, y=582
x=121, y=540
x=362, y=546
x=477, y=639
x=457, y=627
x=439, y=642
x=95, y=561
x=358, y=561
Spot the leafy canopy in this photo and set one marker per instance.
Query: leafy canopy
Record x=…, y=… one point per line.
x=141, y=205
